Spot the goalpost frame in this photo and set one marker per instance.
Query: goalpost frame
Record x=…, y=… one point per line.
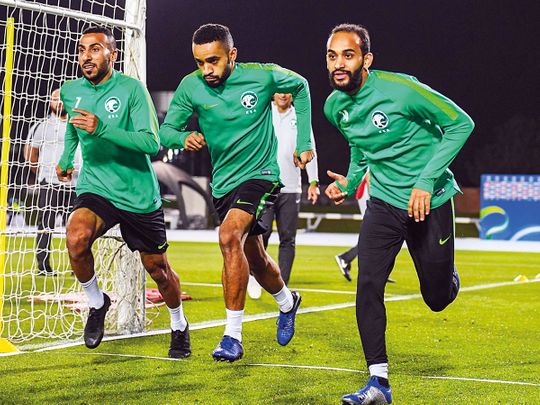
x=134, y=64
x=75, y=14
x=5, y=345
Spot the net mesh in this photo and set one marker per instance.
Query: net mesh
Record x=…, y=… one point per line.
x=50, y=307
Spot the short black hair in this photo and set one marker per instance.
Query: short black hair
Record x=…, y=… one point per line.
x=213, y=32
x=359, y=30
x=102, y=30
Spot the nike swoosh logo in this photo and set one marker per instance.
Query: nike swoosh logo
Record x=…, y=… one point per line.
x=239, y=201
x=162, y=246
x=209, y=106
x=443, y=241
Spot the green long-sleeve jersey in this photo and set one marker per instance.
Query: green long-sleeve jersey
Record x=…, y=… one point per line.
x=116, y=156
x=236, y=121
x=405, y=132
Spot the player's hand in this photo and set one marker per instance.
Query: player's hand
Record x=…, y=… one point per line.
x=313, y=193
x=332, y=191
x=85, y=121
x=305, y=157
x=419, y=204
x=64, y=175
x=194, y=142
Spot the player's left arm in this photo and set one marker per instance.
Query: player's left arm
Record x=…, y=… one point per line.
x=456, y=127
x=287, y=81
x=455, y=124
x=144, y=137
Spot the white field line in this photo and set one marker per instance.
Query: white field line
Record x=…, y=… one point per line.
x=251, y=318
x=461, y=263
x=432, y=377
x=295, y=289
x=532, y=265
x=347, y=370
x=132, y=356
x=485, y=380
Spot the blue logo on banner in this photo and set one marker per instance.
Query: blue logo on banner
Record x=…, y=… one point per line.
x=510, y=207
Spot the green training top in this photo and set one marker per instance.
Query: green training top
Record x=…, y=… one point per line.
x=116, y=161
x=405, y=132
x=236, y=121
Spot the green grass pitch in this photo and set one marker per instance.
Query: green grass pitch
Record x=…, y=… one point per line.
x=487, y=335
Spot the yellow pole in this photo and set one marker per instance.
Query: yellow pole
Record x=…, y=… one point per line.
x=5, y=345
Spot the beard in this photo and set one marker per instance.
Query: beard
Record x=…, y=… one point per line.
x=354, y=83
x=219, y=80
x=102, y=71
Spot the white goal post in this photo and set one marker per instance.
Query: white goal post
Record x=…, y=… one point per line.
x=38, y=43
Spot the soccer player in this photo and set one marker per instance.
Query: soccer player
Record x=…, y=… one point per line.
x=287, y=205
x=112, y=117
x=232, y=102
x=407, y=135
x=45, y=143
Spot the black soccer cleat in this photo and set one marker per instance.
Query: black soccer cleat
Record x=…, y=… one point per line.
x=180, y=347
x=95, y=325
x=344, y=267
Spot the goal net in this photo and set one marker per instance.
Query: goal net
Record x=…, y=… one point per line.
x=38, y=42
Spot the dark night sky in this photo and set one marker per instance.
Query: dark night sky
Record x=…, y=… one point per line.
x=482, y=54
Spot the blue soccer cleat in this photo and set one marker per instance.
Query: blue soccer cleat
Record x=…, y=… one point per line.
x=373, y=393
x=455, y=280
x=455, y=285
x=229, y=349
x=285, y=321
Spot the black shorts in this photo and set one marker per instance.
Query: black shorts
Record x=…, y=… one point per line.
x=143, y=232
x=252, y=196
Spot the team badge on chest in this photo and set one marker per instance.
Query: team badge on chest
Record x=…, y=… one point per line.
x=249, y=100
x=379, y=119
x=112, y=105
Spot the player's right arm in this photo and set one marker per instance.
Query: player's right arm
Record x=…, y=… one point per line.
x=357, y=169
x=358, y=163
x=144, y=136
x=172, y=133
x=64, y=169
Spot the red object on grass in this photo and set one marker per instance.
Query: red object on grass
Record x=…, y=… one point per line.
x=153, y=295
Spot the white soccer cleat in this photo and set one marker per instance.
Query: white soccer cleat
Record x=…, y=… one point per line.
x=254, y=289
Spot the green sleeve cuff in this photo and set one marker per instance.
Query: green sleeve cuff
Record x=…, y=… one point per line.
x=342, y=188
x=425, y=184
x=183, y=137
x=314, y=183
x=65, y=164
